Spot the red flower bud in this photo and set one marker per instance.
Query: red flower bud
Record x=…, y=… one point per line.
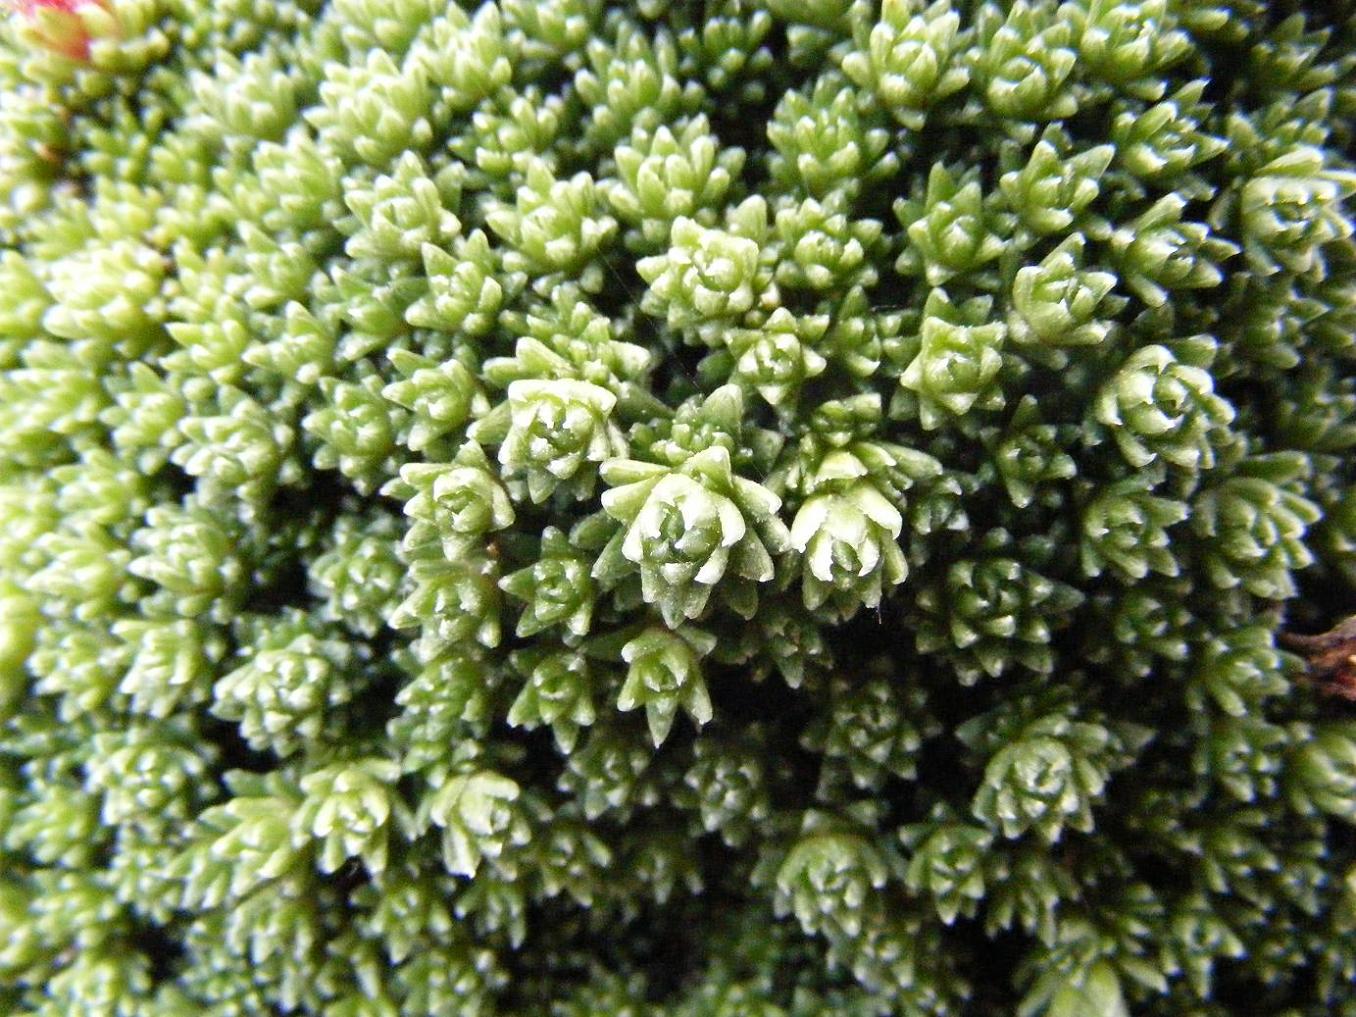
x=64, y=26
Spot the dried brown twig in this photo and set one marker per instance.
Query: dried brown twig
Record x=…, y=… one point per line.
x=1331, y=656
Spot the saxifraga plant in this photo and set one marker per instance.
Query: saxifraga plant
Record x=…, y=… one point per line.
x=753, y=508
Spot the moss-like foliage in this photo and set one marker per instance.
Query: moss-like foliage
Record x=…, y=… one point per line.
x=744, y=508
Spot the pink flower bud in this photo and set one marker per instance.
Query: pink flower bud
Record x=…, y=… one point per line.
x=66, y=27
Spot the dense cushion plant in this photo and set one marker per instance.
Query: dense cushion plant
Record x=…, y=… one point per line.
x=754, y=507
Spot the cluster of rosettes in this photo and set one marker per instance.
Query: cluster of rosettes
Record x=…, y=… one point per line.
x=752, y=507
